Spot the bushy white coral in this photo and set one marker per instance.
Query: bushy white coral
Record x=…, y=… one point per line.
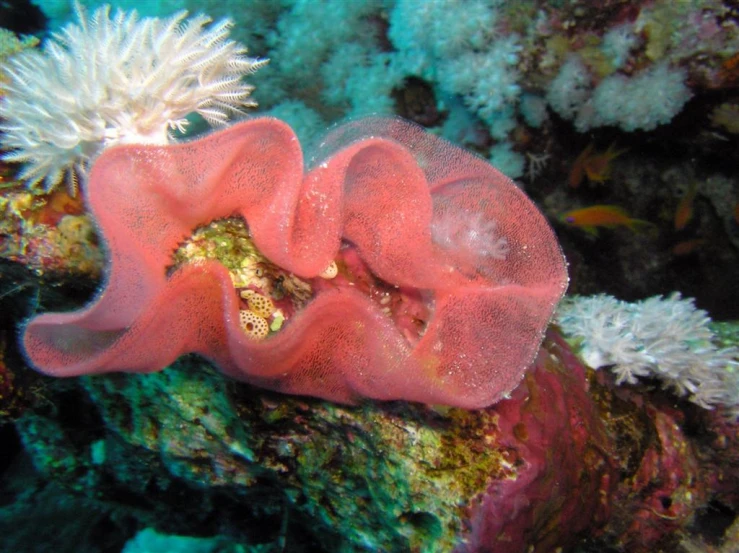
x=618, y=43
x=571, y=88
x=443, y=28
x=664, y=338
x=358, y=77
x=308, y=32
x=460, y=47
x=488, y=81
x=110, y=80
x=649, y=98
x=643, y=101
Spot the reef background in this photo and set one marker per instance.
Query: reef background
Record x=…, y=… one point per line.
x=571, y=461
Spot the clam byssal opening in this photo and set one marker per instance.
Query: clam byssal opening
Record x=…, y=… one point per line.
x=395, y=266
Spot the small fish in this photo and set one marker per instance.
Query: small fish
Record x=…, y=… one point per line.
x=596, y=166
x=688, y=246
x=684, y=212
x=609, y=216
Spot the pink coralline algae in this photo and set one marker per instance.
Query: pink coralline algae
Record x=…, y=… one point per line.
x=562, y=457
x=666, y=490
x=463, y=253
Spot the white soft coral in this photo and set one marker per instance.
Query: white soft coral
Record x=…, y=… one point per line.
x=109, y=80
x=664, y=338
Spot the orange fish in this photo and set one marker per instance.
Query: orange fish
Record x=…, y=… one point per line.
x=609, y=216
x=688, y=246
x=596, y=166
x=684, y=212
